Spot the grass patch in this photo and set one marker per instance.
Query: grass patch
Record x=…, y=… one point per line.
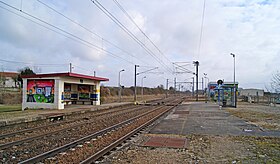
x=268, y=149
x=10, y=108
x=265, y=120
x=263, y=149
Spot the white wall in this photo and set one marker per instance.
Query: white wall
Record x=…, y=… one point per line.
x=9, y=82
x=58, y=90
x=252, y=92
x=34, y=105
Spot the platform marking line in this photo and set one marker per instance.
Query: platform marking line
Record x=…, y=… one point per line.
x=184, y=123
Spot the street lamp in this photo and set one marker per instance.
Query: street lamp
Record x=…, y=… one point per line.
x=234, y=89
x=205, y=76
x=142, y=93
x=120, y=84
x=135, y=75
x=206, y=86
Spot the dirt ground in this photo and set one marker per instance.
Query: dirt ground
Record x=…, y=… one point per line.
x=213, y=148
x=205, y=149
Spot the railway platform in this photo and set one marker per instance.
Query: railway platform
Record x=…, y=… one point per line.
x=207, y=119
x=8, y=118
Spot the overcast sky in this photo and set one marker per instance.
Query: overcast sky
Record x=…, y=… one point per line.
x=247, y=28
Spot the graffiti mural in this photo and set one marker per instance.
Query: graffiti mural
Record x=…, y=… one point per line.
x=225, y=92
x=84, y=91
x=40, y=91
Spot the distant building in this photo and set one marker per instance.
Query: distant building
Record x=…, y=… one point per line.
x=7, y=79
x=252, y=92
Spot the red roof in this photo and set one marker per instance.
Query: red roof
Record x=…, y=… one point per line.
x=67, y=74
x=9, y=74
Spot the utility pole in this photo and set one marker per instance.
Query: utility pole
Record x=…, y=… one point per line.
x=175, y=85
x=166, y=88
x=196, y=63
x=202, y=85
x=70, y=67
x=142, y=89
x=135, y=74
x=193, y=87
x=94, y=73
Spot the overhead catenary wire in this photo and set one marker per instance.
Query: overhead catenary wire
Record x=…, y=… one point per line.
x=90, y=31
x=201, y=29
x=44, y=64
x=130, y=18
x=38, y=23
x=37, y=64
x=82, y=68
x=115, y=20
x=76, y=38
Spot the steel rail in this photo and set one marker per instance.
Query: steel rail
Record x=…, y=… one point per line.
x=55, y=124
x=63, y=148
x=104, y=151
x=13, y=143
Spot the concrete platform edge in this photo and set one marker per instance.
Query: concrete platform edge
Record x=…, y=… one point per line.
x=40, y=117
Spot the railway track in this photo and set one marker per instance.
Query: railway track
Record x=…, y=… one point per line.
x=25, y=126
x=13, y=129
x=27, y=150
x=57, y=127
x=27, y=147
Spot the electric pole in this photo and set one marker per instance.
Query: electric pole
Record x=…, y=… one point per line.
x=196, y=63
x=175, y=85
x=70, y=67
x=202, y=85
x=166, y=88
x=193, y=87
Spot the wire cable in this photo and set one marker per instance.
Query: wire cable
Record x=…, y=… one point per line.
x=115, y=20
x=88, y=30
x=130, y=18
x=18, y=62
x=89, y=44
x=201, y=28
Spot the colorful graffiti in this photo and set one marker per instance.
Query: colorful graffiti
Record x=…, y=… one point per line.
x=225, y=92
x=40, y=91
x=84, y=91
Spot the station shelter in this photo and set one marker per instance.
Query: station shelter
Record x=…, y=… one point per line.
x=223, y=94
x=55, y=90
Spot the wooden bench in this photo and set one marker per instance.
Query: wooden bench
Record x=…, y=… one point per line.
x=83, y=101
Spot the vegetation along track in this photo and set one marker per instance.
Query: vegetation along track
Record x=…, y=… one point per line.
x=95, y=145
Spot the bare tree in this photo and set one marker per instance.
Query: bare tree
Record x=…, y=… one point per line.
x=275, y=82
